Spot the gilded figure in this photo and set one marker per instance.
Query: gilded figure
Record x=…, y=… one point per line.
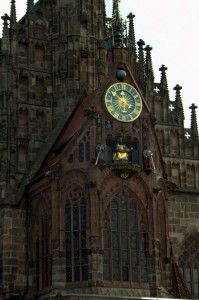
x=121, y=151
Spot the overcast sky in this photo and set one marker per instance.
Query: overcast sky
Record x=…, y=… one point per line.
x=171, y=28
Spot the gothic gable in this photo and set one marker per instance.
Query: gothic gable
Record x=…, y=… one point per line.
x=91, y=135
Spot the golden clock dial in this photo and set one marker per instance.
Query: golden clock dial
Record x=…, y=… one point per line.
x=123, y=102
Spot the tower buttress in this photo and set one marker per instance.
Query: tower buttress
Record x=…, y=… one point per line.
x=7, y=112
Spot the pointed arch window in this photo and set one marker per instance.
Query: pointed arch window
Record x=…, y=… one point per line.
x=75, y=237
x=125, y=241
x=84, y=152
x=43, y=265
x=81, y=152
x=189, y=264
x=37, y=264
x=84, y=148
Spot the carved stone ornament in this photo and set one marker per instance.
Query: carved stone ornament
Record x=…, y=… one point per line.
x=125, y=170
x=118, y=157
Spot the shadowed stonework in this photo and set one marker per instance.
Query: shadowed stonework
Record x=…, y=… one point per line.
x=99, y=183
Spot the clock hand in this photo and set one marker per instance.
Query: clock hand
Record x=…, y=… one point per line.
x=124, y=101
x=124, y=104
x=114, y=94
x=122, y=93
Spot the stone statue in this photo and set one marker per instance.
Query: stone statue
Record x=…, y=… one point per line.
x=100, y=150
x=148, y=158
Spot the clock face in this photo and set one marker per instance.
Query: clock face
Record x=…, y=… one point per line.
x=123, y=102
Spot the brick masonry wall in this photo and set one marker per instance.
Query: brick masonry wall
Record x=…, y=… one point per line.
x=183, y=217
x=12, y=246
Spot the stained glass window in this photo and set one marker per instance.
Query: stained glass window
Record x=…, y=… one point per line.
x=125, y=245
x=88, y=151
x=106, y=253
x=75, y=237
x=189, y=264
x=68, y=242
x=37, y=264
x=81, y=152
x=43, y=266
x=84, y=150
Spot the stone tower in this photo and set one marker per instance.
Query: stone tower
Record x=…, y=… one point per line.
x=49, y=60
x=99, y=179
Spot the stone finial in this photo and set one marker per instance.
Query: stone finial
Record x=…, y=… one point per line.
x=5, y=19
x=131, y=16
x=141, y=43
x=163, y=80
x=194, y=125
x=177, y=87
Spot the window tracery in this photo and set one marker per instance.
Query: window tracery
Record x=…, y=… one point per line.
x=75, y=237
x=189, y=264
x=125, y=241
x=42, y=260
x=84, y=148
x=40, y=238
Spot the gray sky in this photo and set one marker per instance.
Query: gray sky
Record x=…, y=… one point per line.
x=171, y=28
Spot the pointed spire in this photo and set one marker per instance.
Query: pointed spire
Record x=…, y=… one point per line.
x=149, y=69
x=115, y=9
x=178, y=100
x=13, y=15
x=163, y=80
x=118, y=27
x=131, y=32
x=141, y=65
x=194, y=125
x=5, y=44
x=131, y=43
x=104, y=8
x=148, y=62
x=30, y=4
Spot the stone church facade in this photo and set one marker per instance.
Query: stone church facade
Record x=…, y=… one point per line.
x=99, y=178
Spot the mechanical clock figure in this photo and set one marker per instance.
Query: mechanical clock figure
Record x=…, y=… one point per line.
x=123, y=102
